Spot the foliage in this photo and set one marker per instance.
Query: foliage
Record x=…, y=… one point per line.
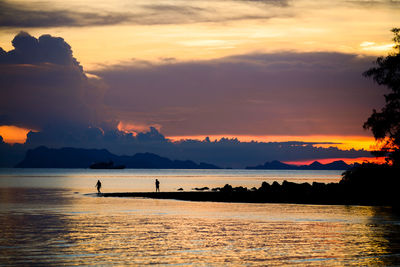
x=385, y=124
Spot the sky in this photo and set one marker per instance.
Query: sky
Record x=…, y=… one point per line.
x=179, y=71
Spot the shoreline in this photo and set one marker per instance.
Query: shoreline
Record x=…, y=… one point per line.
x=367, y=185
x=247, y=197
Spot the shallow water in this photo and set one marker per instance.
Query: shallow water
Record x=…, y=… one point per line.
x=138, y=180
x=50, y=225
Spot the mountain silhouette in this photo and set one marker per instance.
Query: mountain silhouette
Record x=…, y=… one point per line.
x=273, y=165
x=43, y=157
x=277, y=165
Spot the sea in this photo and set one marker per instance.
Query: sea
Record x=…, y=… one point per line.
x=53, y=217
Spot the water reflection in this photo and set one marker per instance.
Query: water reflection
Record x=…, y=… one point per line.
x=54, y=227
x=29, y=227
x=384, y=228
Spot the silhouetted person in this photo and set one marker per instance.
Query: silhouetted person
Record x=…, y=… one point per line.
x=98, y=186
x=157, y=186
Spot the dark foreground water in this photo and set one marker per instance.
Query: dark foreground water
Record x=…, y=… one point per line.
x=46, y=219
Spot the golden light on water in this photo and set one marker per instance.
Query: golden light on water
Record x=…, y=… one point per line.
x=97, y=231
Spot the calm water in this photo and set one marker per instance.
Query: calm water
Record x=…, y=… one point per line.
x=46, y=218
x=83, y=180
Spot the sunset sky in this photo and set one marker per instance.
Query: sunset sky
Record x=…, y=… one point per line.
x=262, y=70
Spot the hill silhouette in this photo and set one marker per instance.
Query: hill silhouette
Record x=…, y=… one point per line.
x=43, y=157
x=277, y=165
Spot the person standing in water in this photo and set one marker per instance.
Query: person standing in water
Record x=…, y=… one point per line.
x=157, y=186
x=98, y=186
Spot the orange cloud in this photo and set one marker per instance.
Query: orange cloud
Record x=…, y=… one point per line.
x=134, y=128
x=13, y=134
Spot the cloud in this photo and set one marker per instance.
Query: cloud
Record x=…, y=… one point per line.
x=46, y=49
x=23, y=15
x=284, y=3
x=40, y=15
x=256, y=94
x=44, y=86
x=210, y=11
x=174, y=9
x=374, y=3
x=45, y=14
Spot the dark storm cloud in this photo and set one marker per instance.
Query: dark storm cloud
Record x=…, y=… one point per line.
x=39, y=15
x=259, y=94
x=46, y=49
x=43, y=85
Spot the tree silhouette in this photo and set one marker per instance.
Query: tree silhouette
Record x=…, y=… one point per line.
x=385, y=124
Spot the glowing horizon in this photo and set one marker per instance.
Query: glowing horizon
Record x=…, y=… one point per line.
x=341, y=142
x=13, y=134
x=372, y=159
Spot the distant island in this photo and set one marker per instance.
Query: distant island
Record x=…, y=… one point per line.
x=43, y=157
x=277, y=165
